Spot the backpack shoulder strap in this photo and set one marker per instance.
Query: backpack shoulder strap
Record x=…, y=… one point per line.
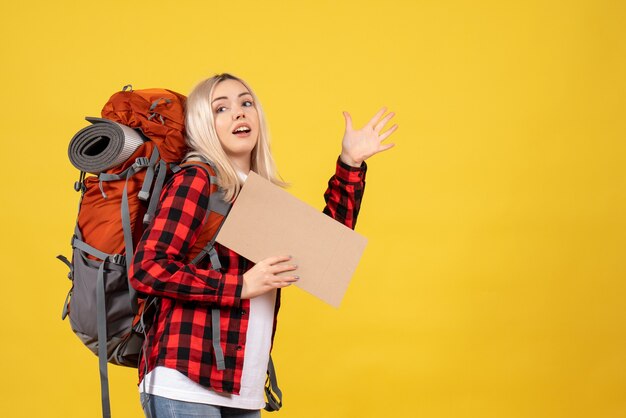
x=219, y=205
x=216, y=199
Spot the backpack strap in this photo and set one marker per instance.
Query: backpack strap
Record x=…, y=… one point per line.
x=156, y=192
x=70, y=275
x=101, y=322
x=140, y=164
x=219, y=205
x=128, y=232
x=102, y=342
x=216, y=204
x=271, y=386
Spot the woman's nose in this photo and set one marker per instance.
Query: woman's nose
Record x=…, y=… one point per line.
x=238, y=113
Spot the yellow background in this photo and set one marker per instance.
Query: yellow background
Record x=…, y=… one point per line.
x=493, y=282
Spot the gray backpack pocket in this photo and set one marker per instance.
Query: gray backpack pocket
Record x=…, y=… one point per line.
x=83, y=304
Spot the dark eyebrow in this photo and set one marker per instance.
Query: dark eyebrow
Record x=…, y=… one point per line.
x=224, y=97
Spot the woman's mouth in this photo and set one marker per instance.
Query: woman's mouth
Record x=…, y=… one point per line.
x=242, y=131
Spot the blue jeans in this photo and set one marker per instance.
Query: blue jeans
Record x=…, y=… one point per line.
x=159, y=407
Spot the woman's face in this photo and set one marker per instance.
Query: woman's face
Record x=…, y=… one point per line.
x=236, y=119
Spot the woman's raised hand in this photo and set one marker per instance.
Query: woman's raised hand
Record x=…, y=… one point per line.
x=359, y=145
x=263, y=276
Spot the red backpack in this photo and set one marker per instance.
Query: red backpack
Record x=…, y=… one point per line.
x=130, y=151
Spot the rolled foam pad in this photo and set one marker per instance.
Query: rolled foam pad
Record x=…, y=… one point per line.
x=103, y=145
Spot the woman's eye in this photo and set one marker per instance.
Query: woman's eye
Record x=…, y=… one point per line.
x=247, y=103
x=220, y=109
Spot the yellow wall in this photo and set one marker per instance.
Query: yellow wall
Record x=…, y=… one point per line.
x=493, y=283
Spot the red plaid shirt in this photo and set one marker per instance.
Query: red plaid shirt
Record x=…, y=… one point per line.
x=180, y=337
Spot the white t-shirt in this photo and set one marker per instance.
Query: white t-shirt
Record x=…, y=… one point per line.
x=172, y=384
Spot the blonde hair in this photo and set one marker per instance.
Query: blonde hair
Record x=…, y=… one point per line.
x=204, y=143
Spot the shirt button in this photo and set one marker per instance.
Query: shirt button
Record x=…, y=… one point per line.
x=243, y=313
x=239, y=348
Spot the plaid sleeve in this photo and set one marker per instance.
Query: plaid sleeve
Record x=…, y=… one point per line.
x=344, y=193
x=159, y=268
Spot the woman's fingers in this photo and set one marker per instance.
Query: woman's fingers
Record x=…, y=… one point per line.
x=263, y=276
x=385, y=147
x=359, y=145
x=388, y=132
x=380, y=125
x=281, y=268
x=348, y=118
x=281, y=281
x=285, y=281
x=270, y=261
x=277, y=264
x=376, y=117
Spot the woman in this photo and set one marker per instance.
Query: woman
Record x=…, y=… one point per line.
x=225, y=125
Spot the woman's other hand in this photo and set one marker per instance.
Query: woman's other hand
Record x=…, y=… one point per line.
x=263, y=276
x=359, y=145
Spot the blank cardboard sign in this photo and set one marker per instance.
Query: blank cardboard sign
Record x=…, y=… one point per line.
x=267, y=221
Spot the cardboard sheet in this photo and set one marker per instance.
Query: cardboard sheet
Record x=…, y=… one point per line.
x=267, y=221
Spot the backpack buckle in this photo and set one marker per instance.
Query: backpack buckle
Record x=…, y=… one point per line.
x=117, y=259
x=273, y=403
x=153, y=114
x=147, y=218
x=141, y=162
x=154, y=105
x=80, y=184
